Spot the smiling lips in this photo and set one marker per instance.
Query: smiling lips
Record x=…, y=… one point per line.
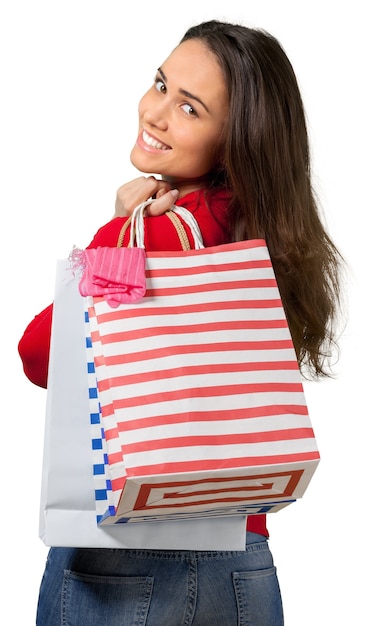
x=150, y=141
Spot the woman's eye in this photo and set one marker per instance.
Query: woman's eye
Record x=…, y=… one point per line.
x=160, y=86
x=189, y=109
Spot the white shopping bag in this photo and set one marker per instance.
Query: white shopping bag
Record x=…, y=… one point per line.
x=68, y=508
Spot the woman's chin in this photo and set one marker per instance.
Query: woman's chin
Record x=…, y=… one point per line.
x=144, y=163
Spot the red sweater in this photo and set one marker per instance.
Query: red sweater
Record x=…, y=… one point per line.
x=160, y=234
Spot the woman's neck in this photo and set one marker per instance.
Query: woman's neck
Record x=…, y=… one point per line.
x=187, y=185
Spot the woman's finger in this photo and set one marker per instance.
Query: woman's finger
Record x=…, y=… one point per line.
x=163, y=203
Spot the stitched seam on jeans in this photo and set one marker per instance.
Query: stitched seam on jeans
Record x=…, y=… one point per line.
x=192, y=593
x=64, y=598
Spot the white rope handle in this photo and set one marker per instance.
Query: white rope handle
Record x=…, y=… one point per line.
x=137, y=224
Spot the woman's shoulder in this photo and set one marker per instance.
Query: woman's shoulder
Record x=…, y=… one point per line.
x=107, y=235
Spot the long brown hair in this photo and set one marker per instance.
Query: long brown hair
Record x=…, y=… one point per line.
x=266, y=165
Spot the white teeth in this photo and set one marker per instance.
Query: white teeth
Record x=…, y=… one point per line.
x=152, y=142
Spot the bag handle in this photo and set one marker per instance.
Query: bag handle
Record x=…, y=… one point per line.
x=136, y=223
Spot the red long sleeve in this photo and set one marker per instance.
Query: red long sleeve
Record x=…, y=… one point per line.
x=34, y=347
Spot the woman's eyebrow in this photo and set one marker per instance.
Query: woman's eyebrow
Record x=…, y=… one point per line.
x=185, y=93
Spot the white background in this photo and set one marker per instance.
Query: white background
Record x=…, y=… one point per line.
x=72, y=73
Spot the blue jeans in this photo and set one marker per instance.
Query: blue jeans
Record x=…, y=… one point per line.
x=105, y=587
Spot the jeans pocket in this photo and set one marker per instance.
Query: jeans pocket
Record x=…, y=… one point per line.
x=258, y=598
x=89, y=600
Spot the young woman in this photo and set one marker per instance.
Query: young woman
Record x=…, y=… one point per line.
x=223, y=125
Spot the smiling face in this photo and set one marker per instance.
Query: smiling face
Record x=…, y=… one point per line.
x=182, y=117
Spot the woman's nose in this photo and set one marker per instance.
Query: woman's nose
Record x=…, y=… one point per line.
x=157, y=115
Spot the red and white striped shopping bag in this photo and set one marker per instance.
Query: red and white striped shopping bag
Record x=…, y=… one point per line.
x=202, y=403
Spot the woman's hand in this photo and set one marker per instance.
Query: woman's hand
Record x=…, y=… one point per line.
x=141, y=189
